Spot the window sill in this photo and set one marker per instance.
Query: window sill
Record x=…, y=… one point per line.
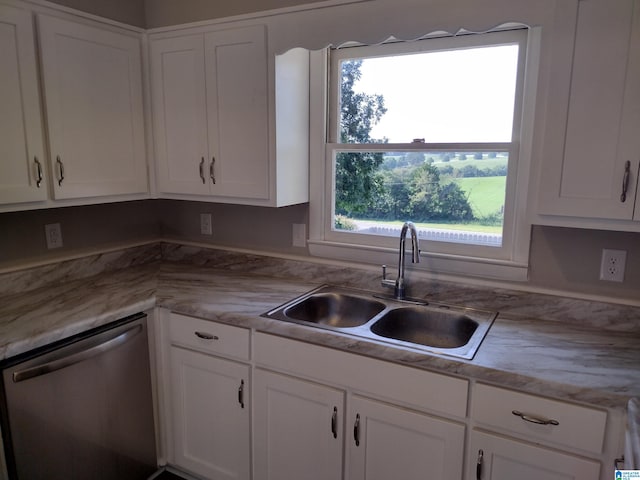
x=431, y=264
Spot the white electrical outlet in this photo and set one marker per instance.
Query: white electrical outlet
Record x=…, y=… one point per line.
x=299, y=234
x=53, y=232
x=206, y=228
x=612, y=265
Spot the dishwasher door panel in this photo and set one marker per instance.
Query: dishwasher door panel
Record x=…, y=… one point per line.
x=92, y=419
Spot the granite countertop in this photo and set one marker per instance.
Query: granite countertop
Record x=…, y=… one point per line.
x=589, y=364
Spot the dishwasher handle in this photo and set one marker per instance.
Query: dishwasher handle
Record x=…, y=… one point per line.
x=77, y=357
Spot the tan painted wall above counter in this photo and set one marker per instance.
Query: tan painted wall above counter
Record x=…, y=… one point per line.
x=563, y=260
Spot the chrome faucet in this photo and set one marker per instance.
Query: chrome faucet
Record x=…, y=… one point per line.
x=398, y=284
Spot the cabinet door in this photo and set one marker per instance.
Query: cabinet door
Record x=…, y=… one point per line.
x=210, y=404
x=236, y=75
x=298, y=431
x=390, y=442
x=21, y=148
x=504, y=458
x=180, y=115
x=93, y=91
x=603, y=117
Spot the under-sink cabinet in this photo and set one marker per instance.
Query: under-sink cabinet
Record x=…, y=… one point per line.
x=210, y=398
x=287, y=410
x=339, y=404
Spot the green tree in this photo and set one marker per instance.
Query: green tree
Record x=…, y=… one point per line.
x=432, y=200
x=358, y=181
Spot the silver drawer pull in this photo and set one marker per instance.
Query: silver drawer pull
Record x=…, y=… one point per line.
x=60, y=170
x=206, y=336
x=334, y=422
x=241, y=394
x=536, y=420
x=39, y=171
x=202, y=170
x=356, y=430
x=625, y=181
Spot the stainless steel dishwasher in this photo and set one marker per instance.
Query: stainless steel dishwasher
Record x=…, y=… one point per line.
x=81, y=408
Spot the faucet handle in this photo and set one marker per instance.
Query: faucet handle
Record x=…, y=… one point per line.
x=385, y=282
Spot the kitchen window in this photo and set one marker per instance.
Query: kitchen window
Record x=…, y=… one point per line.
x=432, y=131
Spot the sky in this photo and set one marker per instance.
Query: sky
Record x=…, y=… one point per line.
x=446, y=96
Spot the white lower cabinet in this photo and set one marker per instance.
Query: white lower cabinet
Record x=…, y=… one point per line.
x=210, y=415
x=500, y=458
x=209, y=399
x=327, y=414
x=392, y=442
x=249, y=405
x=298, y=428
x=523, y=436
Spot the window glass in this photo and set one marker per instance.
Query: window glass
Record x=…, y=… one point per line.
x=425, y=131
x=463, y=95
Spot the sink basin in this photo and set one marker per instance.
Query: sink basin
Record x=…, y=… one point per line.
x=335, y=309
x=433, y=328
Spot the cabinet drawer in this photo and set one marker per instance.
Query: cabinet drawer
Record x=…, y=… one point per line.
x=208, y=336
x=577, y=427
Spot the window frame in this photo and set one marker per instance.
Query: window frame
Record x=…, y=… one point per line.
x=510, y=261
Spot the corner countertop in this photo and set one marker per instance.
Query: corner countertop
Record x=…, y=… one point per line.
x=589, y=364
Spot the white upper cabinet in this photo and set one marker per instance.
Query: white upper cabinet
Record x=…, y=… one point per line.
x=596, y=177
x=22, y=164
x=210, y=112
x=236, y=76
x=92, y=81
x=213, y=99
x=180, y=115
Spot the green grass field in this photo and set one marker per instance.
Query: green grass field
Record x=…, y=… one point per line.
x=481, y=164
x=486, y=194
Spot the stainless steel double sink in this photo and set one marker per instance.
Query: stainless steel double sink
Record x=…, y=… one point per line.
x=414, y=324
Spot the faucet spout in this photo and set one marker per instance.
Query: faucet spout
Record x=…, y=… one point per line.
x=399, y=284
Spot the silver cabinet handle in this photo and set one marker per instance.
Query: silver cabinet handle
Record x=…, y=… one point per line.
x=38, y=171
x=536, y=420
x=625, y=181
x=334, y=422
x=202, y=170
x=60, y=170
x=212, y=170
x=206, y=336
x=241, y=394
x=356, y=430
x=479, y=464
x=67, y=361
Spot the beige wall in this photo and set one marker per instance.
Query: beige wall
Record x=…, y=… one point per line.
x=569, y=259
x=126, y=11
x=22, y=237
x=562, y=259
x=241, y=226
x=161, y=13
